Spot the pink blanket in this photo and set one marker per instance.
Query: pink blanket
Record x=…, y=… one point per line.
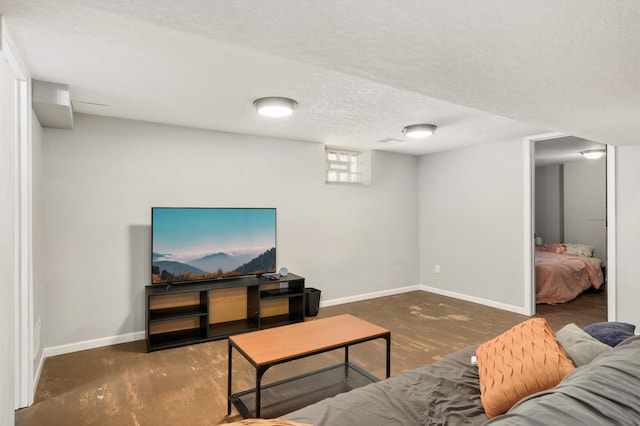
x=561, y=278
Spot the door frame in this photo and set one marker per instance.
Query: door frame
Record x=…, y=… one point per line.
x=24, y=381
x=529, y=225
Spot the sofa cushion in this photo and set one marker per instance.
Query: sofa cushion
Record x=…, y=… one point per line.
x=610, y=333
x=604, y=393
x=579, y=346
x=521, y=361
x=444, y=393
x=266, y=422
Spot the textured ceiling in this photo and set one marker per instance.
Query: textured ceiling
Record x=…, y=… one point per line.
x=360, y=70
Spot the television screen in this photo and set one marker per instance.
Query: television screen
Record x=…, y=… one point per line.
x=191, y=244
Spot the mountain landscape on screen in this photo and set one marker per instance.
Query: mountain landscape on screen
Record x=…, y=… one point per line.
x=176, y=268
x=217, y=265
x=221, y=261
x=208, y=243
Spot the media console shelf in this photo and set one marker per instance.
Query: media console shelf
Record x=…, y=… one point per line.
x=183, y=314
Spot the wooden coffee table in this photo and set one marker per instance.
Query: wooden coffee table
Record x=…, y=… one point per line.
x=266, y=348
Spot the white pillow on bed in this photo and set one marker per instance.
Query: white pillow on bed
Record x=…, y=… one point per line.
x=579, y=250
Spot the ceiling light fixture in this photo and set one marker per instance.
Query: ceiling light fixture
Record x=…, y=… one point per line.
x=593, y=154
x=416, y=131
x=274, y=106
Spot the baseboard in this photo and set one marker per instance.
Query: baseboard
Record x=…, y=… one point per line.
x=368, y=296
x=139, y=335
x=36, y=374
x=92, y=344
x=493, y=304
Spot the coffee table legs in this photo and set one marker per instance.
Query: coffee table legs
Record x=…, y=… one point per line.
x=346, y=361
x=388, y=339
x=229, y=370
x=259, y=373
x=346, y=357
x=260, y=370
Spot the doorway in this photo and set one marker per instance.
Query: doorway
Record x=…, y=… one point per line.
x=570, y=198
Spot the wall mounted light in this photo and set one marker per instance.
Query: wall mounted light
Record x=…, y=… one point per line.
x=593, y=154
x=274, y=106
x=416, y=131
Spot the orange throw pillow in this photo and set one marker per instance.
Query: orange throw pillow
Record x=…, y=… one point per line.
x=520, y=362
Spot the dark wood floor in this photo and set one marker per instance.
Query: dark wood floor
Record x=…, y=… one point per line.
x=124, y=385
x=589, y=307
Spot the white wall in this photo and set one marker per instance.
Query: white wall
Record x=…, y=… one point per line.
x=585, y=207
x=571, y=204
x=39, y=275
x=628, y=233
x=8, y=251
x=549, y=215
x=472, y=221
x=101, y=179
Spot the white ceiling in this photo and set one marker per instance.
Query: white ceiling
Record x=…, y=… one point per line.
x=563, y=150
x=360, y=69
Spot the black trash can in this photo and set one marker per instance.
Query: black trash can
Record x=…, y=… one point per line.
x=312, y=301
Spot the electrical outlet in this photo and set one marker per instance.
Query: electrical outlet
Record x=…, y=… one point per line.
x=437, y=269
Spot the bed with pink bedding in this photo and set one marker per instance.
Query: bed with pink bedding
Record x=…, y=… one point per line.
x=561, y=277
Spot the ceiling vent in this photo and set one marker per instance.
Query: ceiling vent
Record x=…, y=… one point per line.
x=390, y=141
x=52, y=104
x=90, y=108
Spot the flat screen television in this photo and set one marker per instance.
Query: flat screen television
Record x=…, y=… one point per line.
x=195, y=244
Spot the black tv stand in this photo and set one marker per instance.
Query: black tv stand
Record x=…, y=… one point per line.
x=187, y=313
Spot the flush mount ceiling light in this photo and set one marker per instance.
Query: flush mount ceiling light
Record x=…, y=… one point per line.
x=416, y=131
x=275, y=106
x=593, y=154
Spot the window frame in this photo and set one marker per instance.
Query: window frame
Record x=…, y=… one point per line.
x=342, y=165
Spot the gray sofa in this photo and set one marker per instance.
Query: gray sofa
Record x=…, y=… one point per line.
x=606, y=391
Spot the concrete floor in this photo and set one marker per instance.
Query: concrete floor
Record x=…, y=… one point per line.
x=124, y=385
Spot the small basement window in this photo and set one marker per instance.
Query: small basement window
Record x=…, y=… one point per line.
x=343, y=166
